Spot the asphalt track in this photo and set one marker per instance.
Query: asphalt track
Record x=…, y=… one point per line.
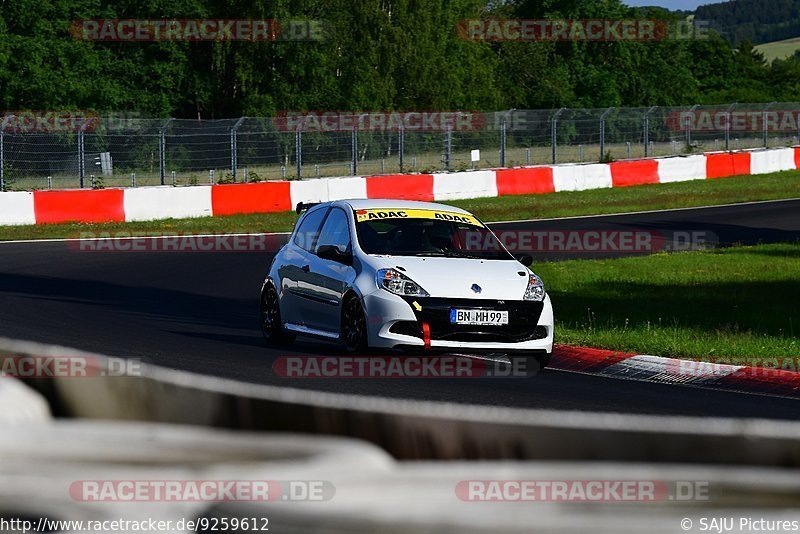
x=197, y=311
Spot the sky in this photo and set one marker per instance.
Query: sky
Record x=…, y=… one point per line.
x=671, y=4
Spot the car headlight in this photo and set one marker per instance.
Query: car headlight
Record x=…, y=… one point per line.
x=535, y=290
x=396, y=282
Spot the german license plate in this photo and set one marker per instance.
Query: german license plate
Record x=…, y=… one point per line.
x=478, y=317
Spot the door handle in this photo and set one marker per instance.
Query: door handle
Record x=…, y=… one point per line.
x=305, y=268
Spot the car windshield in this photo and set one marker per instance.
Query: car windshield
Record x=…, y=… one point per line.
x=425, y=233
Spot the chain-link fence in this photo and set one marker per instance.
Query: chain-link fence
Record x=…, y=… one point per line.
x=105, y=152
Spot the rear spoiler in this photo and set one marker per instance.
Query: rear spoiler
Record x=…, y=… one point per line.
x=303, y=206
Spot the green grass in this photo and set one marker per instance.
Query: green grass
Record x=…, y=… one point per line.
x=779, y=49
x=736, y=302
x=595, y=202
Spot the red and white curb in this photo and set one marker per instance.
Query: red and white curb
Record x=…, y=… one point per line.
x=657, y=369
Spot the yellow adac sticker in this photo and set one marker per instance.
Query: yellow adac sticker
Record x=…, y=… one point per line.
x=381, y=214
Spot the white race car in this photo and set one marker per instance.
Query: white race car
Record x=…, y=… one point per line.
x=389, y=274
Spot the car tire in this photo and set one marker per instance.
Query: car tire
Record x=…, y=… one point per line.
x=354, y=326
x=271, y=326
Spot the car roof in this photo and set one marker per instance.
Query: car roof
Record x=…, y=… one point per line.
x=378, y=203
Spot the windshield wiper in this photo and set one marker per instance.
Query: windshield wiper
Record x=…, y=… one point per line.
x=445, y=254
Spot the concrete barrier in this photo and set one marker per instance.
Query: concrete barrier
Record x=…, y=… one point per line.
x=767, y=161
x=17, y=208
x=152, y=203
x=309, y=191
x=582, y=177
x=461, y=185
x=342, y=188
x=682, y=169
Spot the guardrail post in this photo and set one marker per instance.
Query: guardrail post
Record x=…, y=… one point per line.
x=646, y=126
x=766, y=128
x=298, y=151
x=235, y=148
x=603, y=133
x=162, y=150
x=554, y=132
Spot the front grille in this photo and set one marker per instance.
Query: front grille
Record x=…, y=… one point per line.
x=540, y=332
x=523, y=320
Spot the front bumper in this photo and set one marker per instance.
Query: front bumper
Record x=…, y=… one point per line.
x=396, y=322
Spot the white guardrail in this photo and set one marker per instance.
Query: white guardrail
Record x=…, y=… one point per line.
x=52, y=468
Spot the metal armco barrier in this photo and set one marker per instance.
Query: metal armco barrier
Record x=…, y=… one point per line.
x=48, y=468
x=414, y=429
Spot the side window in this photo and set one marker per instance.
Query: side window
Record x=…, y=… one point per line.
x=335, y=231
x=308, y=231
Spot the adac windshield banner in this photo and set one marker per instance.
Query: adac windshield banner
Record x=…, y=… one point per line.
x=382, y=214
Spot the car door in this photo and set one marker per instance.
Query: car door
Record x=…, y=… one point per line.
x=329, y=279
x=297, y=259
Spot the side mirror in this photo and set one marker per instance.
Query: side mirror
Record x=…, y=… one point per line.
x=330, y=252
x=525, y=259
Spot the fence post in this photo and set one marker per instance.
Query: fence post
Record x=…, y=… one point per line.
x=354, y=149
x=688, y=125
x=82, y=150
x=2, y=161
x=162, y=150
x=81, y=169
x=448, y=147
x=766, y=128
x=603, y=133
x=504, y=136
x=298, y=151
x=647, y=130
x=728, y=126
x=554, y=132
x=235, y=147
x=401, y=144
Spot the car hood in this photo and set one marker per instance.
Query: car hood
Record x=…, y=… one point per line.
x=455, y=277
